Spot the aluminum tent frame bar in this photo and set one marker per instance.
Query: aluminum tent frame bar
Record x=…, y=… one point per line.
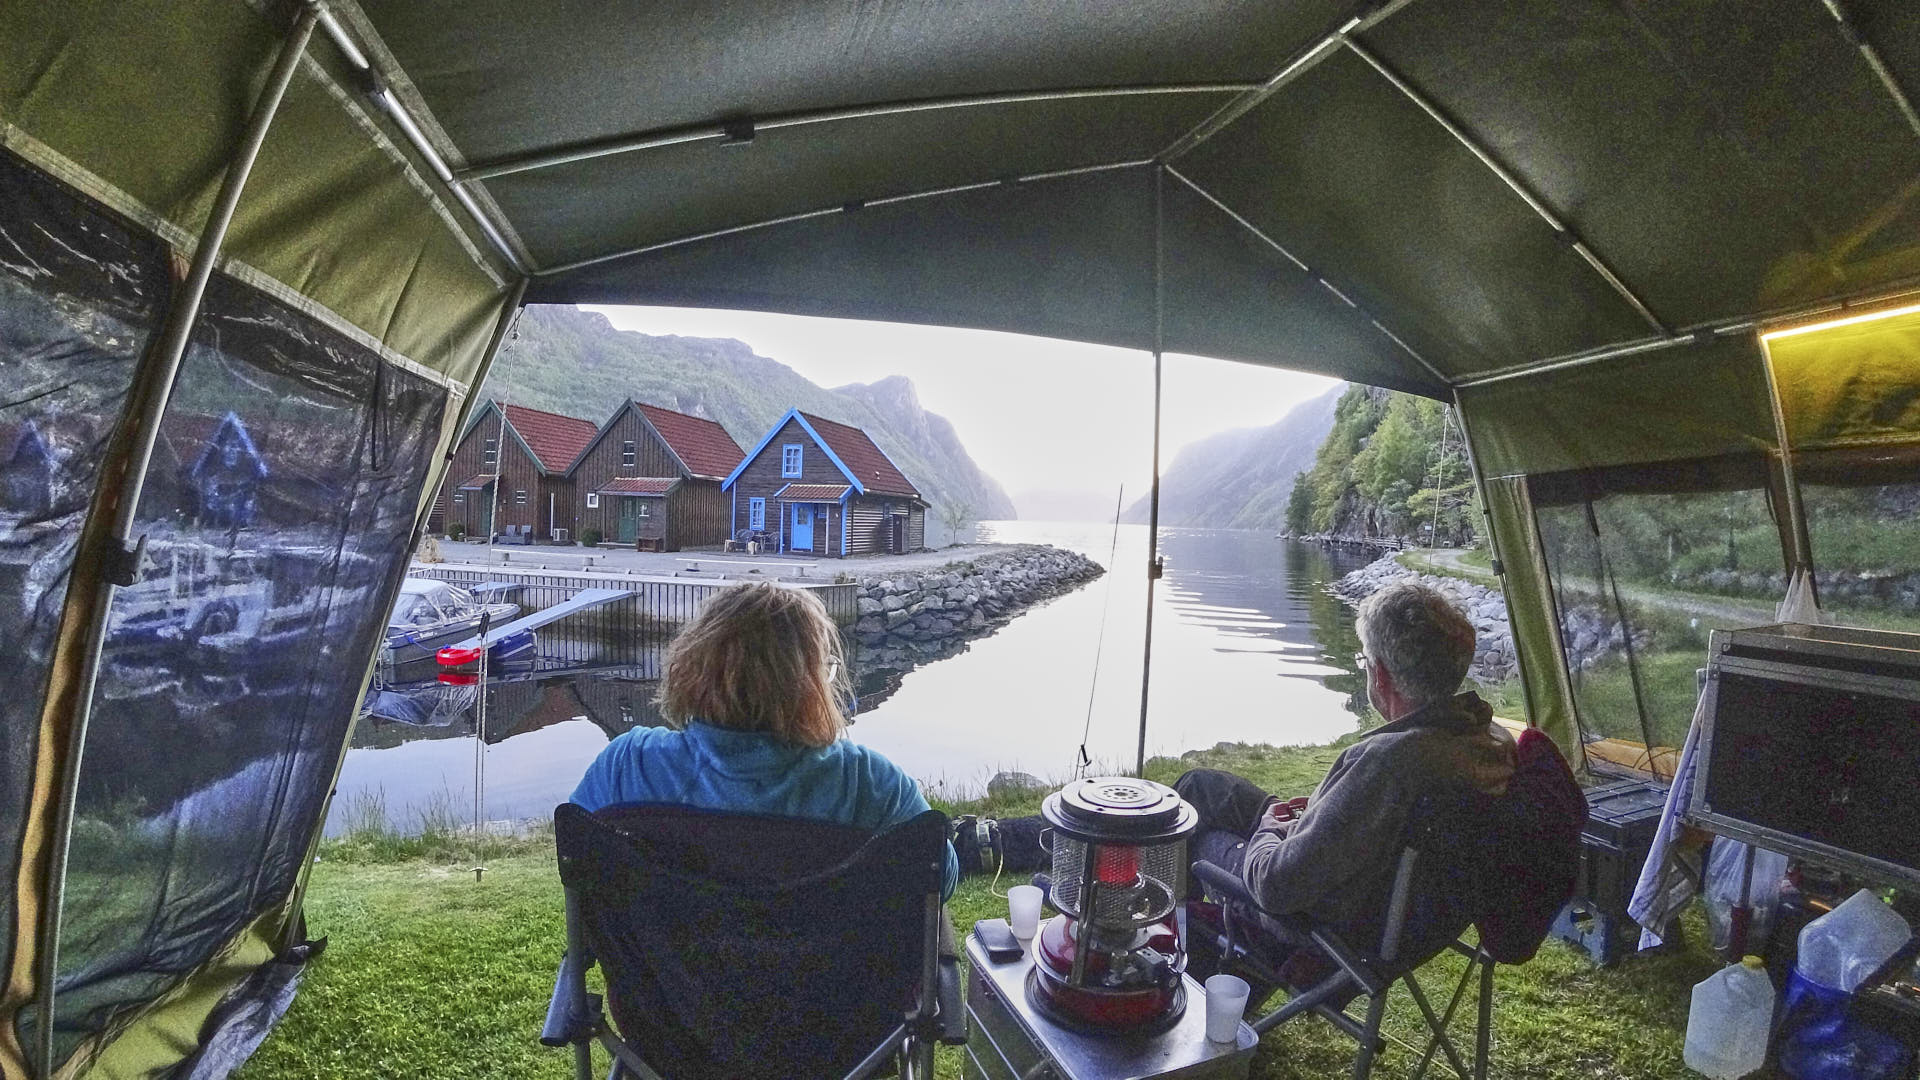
x=1507, y=177
x=1851, y=31
x=152, y=390
x=1301, y=63
x=1262, y=236
x=377, y=90
x=744, y=127
x=786, y=219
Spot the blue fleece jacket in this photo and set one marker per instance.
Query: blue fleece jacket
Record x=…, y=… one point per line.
x=718, y=768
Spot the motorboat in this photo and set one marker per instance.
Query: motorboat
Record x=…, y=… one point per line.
x=431, y=614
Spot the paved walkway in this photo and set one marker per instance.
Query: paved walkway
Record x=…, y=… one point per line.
x=668, y=563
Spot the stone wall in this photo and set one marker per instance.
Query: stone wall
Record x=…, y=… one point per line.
x=911, y=616
x=1587, y=632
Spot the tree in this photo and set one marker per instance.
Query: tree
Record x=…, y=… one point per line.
x=956, y=516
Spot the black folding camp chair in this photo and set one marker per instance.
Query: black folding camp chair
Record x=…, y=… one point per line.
x=1437, y=890
x=736, y=945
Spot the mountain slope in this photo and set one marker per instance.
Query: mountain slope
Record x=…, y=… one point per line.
x=574, y=362
x=1241, y=479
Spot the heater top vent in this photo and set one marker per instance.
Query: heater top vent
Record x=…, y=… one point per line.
x=1119, y=810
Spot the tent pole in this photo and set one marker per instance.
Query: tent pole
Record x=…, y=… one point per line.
x=744, y=129
x=1153, y=492
x=1796, y=512
x=149, y=396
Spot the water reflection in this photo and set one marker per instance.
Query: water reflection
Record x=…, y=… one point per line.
x=1248, y=647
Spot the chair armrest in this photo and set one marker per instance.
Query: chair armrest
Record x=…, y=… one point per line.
x=952, y=1015
x=1223, y=883
x=569, y=1014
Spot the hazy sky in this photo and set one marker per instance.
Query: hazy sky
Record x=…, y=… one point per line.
x=1037, y=414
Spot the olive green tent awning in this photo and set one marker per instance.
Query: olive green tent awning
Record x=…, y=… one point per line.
x=1441, y=192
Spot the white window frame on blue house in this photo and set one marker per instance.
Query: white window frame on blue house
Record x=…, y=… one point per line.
x=792, y=459
x=756, y=513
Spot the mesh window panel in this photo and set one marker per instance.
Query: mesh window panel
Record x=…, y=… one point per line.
x=278, y=510
x=1866, y=553
x=1639, y=585
x=81, y=291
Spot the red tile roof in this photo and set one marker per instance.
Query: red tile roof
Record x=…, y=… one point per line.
x=813, y=492
x=852, y=446
x=702, y=445
x=554, y=439
x=639, y=485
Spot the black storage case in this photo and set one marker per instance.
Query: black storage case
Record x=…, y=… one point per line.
x=1622, y=819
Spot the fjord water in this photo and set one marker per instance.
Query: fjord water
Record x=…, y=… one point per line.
x=1247, y=647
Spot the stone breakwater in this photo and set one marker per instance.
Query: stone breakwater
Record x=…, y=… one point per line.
x=911, y=616
x=1588, y=634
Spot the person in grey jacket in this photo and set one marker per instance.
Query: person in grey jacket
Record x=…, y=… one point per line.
x=1334, y=860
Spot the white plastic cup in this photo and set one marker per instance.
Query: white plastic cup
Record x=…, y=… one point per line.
x=1226, y=1003
x=1023, y=910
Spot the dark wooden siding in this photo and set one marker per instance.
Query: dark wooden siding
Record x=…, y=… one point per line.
x=697, y=512
x=762, y=477
x=867, y=535
x=520, y=473
x=603, y=462
x=917, y=528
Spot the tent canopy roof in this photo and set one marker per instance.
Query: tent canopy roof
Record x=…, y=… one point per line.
x=1440, y=192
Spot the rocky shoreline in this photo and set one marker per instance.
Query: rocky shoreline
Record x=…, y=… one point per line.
x=910, y=617
x=1588, y=634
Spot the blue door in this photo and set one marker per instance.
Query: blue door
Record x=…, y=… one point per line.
x=802, y=528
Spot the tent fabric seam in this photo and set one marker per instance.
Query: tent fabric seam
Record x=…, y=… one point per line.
x=348, y=103
x=91, y=184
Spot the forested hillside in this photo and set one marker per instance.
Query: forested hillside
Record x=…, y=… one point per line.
x=570, y=361
x=1241, y=479
x=1383, y=470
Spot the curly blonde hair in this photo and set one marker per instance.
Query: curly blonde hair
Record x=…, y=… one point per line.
x=758, y=657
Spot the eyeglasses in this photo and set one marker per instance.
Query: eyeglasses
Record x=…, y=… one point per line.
x=1360, y=661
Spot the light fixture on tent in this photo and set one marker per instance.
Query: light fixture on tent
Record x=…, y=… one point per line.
x=1845, y=320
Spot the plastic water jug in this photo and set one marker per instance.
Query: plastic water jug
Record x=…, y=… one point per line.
x=1843, y=947
x=1727, y=1025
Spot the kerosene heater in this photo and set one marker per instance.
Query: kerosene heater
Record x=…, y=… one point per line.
x=1113, y=957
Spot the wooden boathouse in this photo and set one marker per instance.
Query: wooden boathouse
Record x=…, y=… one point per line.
x=510, y=474
x=651, y=477
x=816, y=486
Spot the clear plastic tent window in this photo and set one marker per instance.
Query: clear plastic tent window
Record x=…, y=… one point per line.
x=277, y=511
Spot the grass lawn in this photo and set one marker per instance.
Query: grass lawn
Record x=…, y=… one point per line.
x=430, y=973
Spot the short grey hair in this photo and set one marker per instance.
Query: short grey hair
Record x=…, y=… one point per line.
x=1424, y=642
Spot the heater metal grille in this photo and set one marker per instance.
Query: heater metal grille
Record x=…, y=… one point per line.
x=1133, y=886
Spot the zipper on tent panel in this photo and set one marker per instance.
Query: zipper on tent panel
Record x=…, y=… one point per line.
x=149, y=397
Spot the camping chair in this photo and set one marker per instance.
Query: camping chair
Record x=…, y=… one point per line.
x=1437, y=885
x=739, y=945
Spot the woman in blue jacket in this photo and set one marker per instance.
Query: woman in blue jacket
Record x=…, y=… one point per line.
x=755, y=687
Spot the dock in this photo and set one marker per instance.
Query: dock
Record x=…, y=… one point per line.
x=580, y=601
x=649, y=603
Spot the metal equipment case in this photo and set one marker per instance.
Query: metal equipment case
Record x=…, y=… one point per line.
x=1810, y=745
x=1007, y=1039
